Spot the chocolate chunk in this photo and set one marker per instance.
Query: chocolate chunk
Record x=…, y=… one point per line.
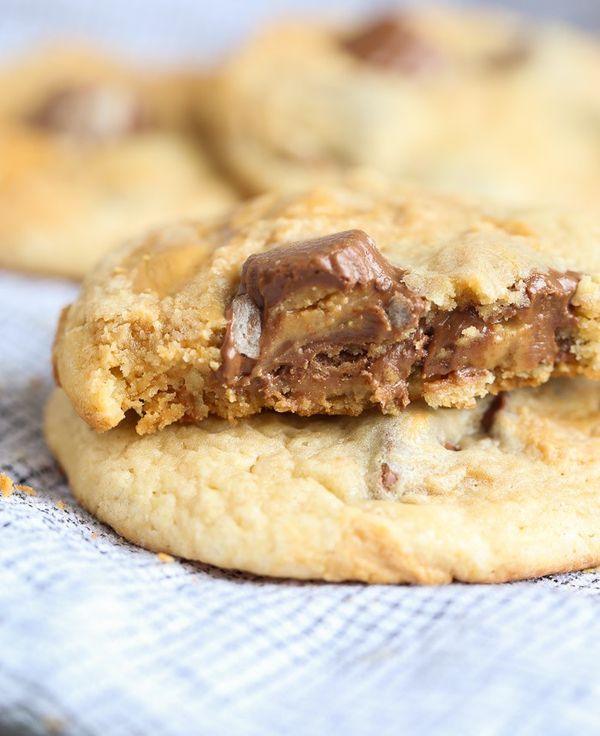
x=329, y=326
x=514, y=339
x=388, y=477
x=338, y=262
x=393, y=44
x=489, y=417
x=451, y=446
x=91, y=113
x=334, y=314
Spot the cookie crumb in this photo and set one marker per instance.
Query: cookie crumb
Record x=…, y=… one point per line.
x=94, y=535
x=164, y=557
x=62, y=505
x=6, y=485
x=26, y=489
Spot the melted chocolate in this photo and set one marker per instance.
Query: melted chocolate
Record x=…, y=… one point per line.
x=335, y=318
x=331, y=318
x=518, y=338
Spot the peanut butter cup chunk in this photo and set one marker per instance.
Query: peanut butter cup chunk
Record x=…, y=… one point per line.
x=364, y=295
x=330, y=323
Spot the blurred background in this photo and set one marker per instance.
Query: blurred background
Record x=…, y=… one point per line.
x=171, y=30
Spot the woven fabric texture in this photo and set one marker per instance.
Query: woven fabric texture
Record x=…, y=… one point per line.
x=100, y=638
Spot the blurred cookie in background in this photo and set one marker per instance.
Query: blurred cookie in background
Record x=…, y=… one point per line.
x=469, y=101
x=92, y=151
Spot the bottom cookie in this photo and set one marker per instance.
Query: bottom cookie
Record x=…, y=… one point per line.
x=508, y=490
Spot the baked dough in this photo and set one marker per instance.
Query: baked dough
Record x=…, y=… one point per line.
x=148, y=329
x=80, y=173
x=508, y=490
x=469, y=101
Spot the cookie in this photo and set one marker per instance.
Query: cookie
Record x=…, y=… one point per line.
x=92, y=153
x=472, y=102
x=504, y=491
x=332, y=302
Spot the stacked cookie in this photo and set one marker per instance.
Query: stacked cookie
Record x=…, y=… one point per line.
x=405, y=317
x=354, y=377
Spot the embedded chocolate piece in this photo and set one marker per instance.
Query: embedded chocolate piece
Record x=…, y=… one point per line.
x=329, y=326
x=392, y=43
x=514, y=339
x=389, y=478
x=335, y=317
x=487, y=420
x=91, y=113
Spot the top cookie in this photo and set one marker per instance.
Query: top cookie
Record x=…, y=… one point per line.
x=471, y=102
x=93, y=151
x=333, y=301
